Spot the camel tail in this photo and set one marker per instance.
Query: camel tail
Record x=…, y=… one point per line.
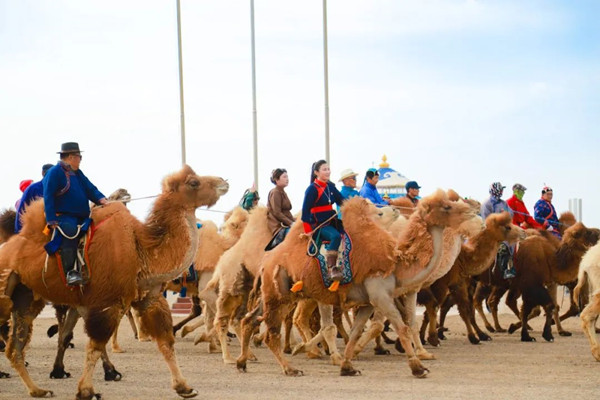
x=582, y=283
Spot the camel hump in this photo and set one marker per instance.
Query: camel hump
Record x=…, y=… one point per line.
x=100, y=214
x=502, y=218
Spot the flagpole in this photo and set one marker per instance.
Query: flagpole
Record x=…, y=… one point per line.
x=254, y=112
x=326, y=71
x=181, y=105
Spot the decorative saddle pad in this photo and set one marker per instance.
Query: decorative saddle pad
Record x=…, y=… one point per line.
x=343, y=262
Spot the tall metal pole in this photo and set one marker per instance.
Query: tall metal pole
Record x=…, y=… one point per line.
x=181, y=106
x=254, y=113
x=325, y=63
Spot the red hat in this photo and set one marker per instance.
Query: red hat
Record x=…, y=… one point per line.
x=25, y=184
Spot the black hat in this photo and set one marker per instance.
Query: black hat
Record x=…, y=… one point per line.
x=69, y=147
x=45, y=168
x=412, y=185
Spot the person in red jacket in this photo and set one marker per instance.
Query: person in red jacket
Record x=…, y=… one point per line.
x=521, y=216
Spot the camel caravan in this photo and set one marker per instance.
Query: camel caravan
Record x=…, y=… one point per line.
x=437, y=252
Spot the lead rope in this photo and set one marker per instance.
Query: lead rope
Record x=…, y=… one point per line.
x=311, y=241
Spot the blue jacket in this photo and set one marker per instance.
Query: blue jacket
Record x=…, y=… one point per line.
x=68, y=192
x=544, y=211
x=494, y=205
x=319, y=195
x=348, y=192
x=33, y=192
x=369, y=191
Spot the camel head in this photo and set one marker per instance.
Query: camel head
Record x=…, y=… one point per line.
x=235, y=223
x=566, y=220
x=404, y=205
x=386, y=216
x=121, y=195
x=193, y=191
x=437, y=209
x=502, y=229
x=471, y=226
x=580, y=236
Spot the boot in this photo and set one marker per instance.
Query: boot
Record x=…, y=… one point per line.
x=503, y=260
x=335, y=273
x=69, y=261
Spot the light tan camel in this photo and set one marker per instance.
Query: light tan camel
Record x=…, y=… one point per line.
x=452, y=241
x=211, y=246
x=234, y=276
x=382, y=269
x=129, y=262
x=589, y=275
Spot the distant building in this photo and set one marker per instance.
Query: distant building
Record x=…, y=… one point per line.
x=391, y=182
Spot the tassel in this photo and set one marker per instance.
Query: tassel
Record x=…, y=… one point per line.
x=46, y=230
x=334, y=286
x=297, y=287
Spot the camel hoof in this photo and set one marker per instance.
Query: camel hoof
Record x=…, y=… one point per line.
x=289, y=371
x=88, y=396
x=440, y=334
x=231, y=335
x=53, y=330
x=565, y=333
x=421, y=373
x=4, y=375
x=596, y=353
x=512, y=328
x=299, y=348
x=41, y=393
x=59, y=373
x=252, y=357
x=241, y=365
x=71, y=345
x=287, y=350
x=490, y=329
x=112, y=375
x=527, y=339
x=380, y=351
x=484, y=337
x=433, y=340
x=257, y=341
x=473, y=339
x=188, y=394
x=336, y=359
x=349, y=371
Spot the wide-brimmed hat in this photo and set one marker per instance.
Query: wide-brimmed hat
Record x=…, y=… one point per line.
x=347, y=173
x=69, y=147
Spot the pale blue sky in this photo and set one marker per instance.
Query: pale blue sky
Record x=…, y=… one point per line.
x=456, y=93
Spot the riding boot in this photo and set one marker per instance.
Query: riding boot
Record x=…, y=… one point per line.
x=69, y=262
x=335, y=273
x=503, y=260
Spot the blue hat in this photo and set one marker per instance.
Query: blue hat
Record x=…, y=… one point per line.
x=412, y=185
x=45, y=168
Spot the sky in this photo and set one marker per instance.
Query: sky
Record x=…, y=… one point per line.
x=457, y=94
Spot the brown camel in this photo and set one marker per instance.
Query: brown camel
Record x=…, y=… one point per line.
x=211, y=246
x=382, y=268
x=475, y=256
x=542, y=263
x=492, y=285
x=589, y=276
x=129, y=262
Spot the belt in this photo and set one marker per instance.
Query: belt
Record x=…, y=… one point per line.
x=319, y=209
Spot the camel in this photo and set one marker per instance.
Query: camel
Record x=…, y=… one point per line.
x=211, y=246
x=382, y=269
x=129, y=263
x=542, y=263
x=589, y=276
x=234, y=275
x=492, y=285
x=452, y=241
x=474, y=258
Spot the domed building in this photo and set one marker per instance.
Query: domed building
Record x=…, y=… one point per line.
x=391, y=182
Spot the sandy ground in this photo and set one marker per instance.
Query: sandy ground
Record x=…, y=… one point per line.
x=504, y=368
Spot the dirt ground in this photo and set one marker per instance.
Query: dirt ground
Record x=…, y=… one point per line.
x=504, y=368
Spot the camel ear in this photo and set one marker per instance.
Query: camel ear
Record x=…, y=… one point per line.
x=452, y=195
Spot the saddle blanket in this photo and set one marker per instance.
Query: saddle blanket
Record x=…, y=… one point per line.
x=343, y=263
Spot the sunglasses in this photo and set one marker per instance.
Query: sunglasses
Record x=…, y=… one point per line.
x=77, y=156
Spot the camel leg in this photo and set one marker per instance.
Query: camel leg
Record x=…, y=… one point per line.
x=380, y=294
x=339, y=323
x=249, y=324
x=192, y=327
x=410, y=317
x=375, y=328
x=301, y=318
x=274, y=313
x=551, y=313
x=430, y=319
x=194, y=312
x=24, y=311
x=132, y=322
x=65, y=334
x=511, y=300
x=226, y=306
x=589, y=315
x=114, y=339
x=157, y=320
x=553, y=289
x=460, y=295
x=481, y=293
x=142, y=334
x=329, y=332
x=289, y=324
x=573, y=309
x=531, y=298
x=447, y=304
x=237, y=328
x=493, y=301
x=110, y=372
x=360, y=319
